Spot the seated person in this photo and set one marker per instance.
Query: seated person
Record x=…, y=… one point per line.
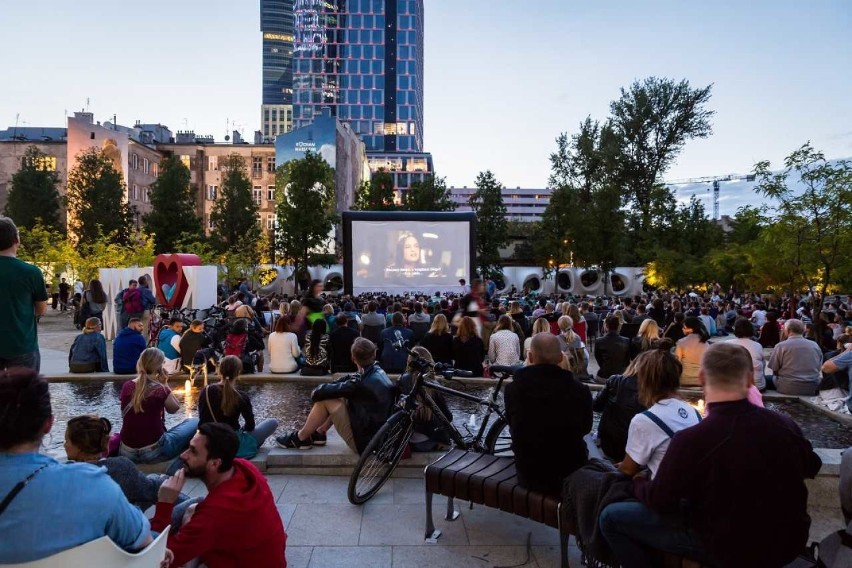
x=841, y=363
x=223, y=403
x=237, y=524
x=618, y=403
x=612, y=352
x=284, y=351
x=317, y=356
x=796, y=362
x=651, y=431
x=705, y=475
x=144, y=402
x=168, y=341
x=86, y=441
x=57, y=506
x=430, y=434
x=239, y=343
x=191, y=342
x=88, y=352
x=394, y=361
x=341, y=340
x=549, y=413
x=356, y=405
x=127, y=347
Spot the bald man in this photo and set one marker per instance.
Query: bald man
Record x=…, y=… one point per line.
x=737, y=476
x=549, y=412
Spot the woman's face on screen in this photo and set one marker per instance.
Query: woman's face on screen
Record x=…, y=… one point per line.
x=411, y=250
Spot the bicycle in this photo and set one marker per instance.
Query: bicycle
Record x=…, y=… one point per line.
x=386, y=447
x=160, y=318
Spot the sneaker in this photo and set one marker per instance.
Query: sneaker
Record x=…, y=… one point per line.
x=292, y=442
x=318, y=439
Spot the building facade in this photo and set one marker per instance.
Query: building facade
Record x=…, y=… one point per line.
x=521, y=204
x=276, y=26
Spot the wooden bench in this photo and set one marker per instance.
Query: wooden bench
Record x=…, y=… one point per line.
x=492, y=481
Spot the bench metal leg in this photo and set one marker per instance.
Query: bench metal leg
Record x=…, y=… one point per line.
x=431, y=534
x=452, y=514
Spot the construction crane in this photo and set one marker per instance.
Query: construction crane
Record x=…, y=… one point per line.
x=715, y=181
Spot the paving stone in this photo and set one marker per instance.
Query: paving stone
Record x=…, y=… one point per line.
x=321, y=489
x=324, y=524
x=391, y=524
x=436, y=556
x=410, y=491
x=548, y=556
x=298, y=556
x=351, y=557
x=486, y=526
x=286, y=512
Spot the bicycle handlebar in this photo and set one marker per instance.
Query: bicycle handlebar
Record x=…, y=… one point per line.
x=447, y=371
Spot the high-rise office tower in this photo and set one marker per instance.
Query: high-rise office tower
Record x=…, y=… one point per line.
x=276, y=24
x=364, y=59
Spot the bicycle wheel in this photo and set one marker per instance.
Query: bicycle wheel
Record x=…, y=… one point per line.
x=498, y=440
x=380, y=458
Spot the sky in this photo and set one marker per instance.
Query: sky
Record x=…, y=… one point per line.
x=503, y=77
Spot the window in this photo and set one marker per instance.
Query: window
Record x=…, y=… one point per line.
x=41, y=163
x=146, y=165
x=270, y=221
x=134, y=161
x=270, y=164
x=256, y=166
x=257, y=194
x=210, y=223
x=134, y=195
x=270, y=193
x=185, y=160
x=155, y=169
x=145, y=194
x=212, y=191
x=213, y=163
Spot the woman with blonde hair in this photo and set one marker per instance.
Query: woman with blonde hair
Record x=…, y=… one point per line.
x=88, y=352
x=223, y=403
x=572, y=347
x=468, y=349
x=651, y=431
x=649, y=332
x=540, y=325
x=579, y=327
x=439, y=341
x=144, y=402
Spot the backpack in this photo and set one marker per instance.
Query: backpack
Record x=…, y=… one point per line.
x=236, y=344
x=132, y=299
x=119, y=301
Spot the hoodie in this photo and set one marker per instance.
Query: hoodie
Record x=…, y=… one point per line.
x=549, y=413
x=236, y=525
x=126, y=348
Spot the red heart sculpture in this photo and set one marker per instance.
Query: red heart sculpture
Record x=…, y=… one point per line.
x=168, y=271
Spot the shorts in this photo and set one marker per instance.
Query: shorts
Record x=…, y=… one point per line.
x=340, y=419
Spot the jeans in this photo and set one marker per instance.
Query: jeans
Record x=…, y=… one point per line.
x=633, y=531
x=30, y=360
x=170, y=445
x=264, y=430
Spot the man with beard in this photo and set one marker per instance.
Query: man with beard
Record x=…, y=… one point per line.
x=237, y=524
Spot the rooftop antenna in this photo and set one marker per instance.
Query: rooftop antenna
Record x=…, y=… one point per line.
x=87, y=104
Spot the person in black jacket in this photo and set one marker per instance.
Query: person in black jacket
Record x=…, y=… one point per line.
x=612, y=352
x=356, y=405
x=438, y=341
x=341, y=340
x=618, y=403
x=549, y=413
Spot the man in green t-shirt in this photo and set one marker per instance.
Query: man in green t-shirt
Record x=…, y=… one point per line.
x=24, y=298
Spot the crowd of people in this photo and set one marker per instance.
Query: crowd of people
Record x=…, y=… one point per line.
x=683, y=472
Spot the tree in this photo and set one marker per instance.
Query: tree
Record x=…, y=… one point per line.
x=377, y=194
x=235, y=214
x=491, y=227
x=173, y=216
x=431, y=194
x=33, y=198
x=583, y=224
x=652, y=121
x=811, y=227
x=306, y=211
x=96, y=203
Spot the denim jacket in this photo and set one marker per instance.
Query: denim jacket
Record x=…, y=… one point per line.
x=89, y=348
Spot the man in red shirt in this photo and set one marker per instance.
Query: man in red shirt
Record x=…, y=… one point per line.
x=237, y=524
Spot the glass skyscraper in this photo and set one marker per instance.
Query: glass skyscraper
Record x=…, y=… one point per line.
x=276, y=25
x=364, y=60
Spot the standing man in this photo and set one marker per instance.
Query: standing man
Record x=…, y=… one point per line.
x=24, y=299
x=131, y=303
x=64, y=291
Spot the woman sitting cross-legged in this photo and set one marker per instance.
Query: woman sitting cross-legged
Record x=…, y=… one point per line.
x=316, y=350
x=144, y=402
x=284, y=352
x=86, y=440
x=88, y=352
x=224, y=403
x=651, y=431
